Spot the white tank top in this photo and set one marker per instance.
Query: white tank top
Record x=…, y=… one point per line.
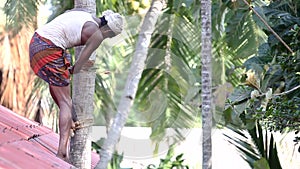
x=65, y=30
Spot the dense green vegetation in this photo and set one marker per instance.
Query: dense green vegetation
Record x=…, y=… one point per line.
x=267, y=98
x=269, y=90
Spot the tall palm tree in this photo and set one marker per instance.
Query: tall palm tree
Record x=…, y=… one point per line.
x=129, y=93
x=83, y=87
x=206, y=92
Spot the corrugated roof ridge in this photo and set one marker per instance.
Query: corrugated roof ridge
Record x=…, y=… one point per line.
x=12, y=141
x=44, y=145
x=16, y=129
x=25, y=139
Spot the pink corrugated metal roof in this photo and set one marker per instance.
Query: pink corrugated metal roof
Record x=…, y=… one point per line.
x=25, y=144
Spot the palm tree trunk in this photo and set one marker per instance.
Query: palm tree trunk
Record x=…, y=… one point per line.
x=132, y=82
x=206, y=55
x=82, y=96
x=16, y=77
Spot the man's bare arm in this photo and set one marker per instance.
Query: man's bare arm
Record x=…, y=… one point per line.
x=91, y=45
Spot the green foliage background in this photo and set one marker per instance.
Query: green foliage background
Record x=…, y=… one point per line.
x=276, y=75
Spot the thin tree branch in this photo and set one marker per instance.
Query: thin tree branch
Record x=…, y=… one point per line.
x=287, y=92
x=263, y=94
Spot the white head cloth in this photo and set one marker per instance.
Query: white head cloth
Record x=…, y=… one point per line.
x=114, y=21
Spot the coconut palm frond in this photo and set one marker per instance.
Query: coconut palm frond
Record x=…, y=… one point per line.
x=21, y=14
x=255, y=145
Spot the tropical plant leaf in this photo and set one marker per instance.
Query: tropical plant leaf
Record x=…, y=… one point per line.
x=20, y=13
x=262, y=163
x=245, y=146
x=273, y=159
x=258, y=150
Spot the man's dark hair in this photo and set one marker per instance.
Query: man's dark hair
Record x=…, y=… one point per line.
x=103, y=21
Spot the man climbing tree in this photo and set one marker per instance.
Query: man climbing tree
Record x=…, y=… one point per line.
x=51, y=61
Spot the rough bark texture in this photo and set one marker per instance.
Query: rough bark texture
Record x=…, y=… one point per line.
x=136, y=69
x=206, y=55
x=83, y=96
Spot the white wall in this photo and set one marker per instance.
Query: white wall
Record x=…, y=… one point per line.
x=138, y=148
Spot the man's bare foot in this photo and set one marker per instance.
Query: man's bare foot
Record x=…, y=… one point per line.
x=74, y=126
x=63, y=157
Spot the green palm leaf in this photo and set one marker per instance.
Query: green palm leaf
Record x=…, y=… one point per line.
x=20, y=13
x=253, y=146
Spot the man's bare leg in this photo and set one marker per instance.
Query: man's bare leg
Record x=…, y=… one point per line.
x=62, y=98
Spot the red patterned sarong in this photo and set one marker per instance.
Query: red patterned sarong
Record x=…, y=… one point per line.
x=49, y=62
